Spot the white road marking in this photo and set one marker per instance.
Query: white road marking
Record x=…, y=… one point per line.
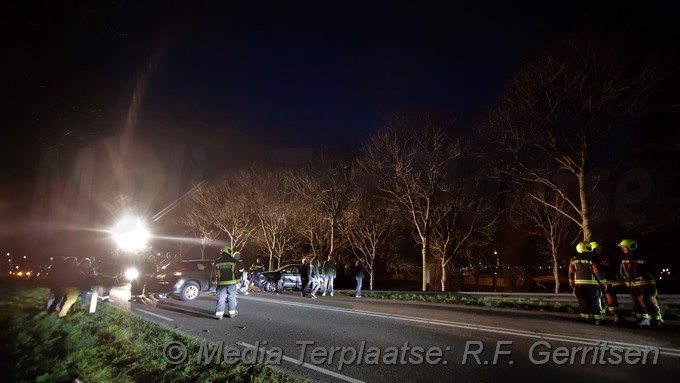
x=156, y=315
x=490, y=329
x=305, y=364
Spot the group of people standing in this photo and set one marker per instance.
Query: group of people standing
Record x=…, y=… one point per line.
x=228, y=270
x=591, y=277
x=313, y=277
x=68, y=280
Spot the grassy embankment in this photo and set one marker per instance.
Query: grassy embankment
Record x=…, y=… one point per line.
x=107, y=346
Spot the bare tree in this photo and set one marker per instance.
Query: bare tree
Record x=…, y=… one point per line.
x=548, y=222
x=555, y=113
x=467, y=223
x=325, y=190
x=224, y=205
x=272, y=201
x=409, y=159
x=197, y=222
x=313, y=230
x=370, y=229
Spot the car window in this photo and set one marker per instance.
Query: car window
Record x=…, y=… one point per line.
x=171, y=266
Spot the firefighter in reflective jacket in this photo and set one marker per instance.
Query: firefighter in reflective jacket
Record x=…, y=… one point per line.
x=609, y=268
x=637, y=274
x=587, y=283
x=226, y=273
x=256, y=270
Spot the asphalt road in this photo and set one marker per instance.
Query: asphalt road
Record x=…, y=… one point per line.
x=342, y=338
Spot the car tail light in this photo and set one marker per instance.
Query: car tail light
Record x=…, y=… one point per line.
x=178, y=272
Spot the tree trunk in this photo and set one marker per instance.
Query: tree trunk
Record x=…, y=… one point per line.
x=556, y=273
x=332, y=239
x=424, y=254
x=585, y=211
x=443, y=264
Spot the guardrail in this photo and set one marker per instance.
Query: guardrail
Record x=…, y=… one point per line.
x=667, y=299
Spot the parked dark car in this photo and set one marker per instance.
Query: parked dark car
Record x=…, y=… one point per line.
x=186, y=279
x=285, y=277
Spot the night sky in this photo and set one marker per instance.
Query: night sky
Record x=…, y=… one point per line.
x=203, y=86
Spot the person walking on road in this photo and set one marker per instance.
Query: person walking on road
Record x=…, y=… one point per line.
x=145, y=266
x=359, y=272
x=329, y=271
x=305, y=273
x=225, y=274
x=587, y=283
x=638, y=276
x=315, y=278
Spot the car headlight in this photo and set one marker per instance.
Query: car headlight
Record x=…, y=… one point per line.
x=131, y=273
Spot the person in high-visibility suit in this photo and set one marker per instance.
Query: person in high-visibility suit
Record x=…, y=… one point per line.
x=226, y=273
x=256, y=270
x=145, y=266
x=609, y=268
x=637, y=274
x=587, y=283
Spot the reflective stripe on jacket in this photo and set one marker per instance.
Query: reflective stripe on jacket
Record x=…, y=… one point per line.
x=635, y=271
x=226, y=271
x=583, y=271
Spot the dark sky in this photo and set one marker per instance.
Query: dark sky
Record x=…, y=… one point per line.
x=201, y=86
x=279, y=74
x=293, y=74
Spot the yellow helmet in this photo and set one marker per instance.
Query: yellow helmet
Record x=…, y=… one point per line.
x=584, y=247
x=629, y=243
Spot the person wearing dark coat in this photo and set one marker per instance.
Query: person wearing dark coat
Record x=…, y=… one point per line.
x=54, y=282
x=72, y=279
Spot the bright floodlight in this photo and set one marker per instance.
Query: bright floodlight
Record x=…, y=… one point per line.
x=131, y=234
x=131, y=273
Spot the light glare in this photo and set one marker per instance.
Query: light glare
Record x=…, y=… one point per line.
x=131, y=234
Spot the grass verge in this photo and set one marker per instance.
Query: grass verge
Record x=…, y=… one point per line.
x=107, y=346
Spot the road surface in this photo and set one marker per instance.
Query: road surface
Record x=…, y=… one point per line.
x=342, y=338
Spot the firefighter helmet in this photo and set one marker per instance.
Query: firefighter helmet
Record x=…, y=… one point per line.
x=584, y=247
x=629, y=243
x=227, y=249
x=596, y=247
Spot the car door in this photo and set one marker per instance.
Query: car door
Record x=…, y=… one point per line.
x=202, y=274
x=290, y=276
